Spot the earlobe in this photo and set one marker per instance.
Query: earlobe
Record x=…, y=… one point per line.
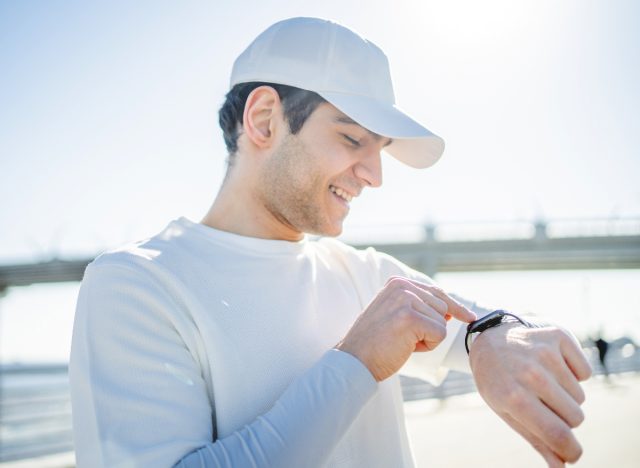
x=260, y=112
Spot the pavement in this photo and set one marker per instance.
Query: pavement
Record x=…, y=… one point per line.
x=462, y=431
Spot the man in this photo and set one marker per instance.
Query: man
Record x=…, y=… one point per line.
x=239, y=341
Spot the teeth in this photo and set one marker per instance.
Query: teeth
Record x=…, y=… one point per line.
x=341, y=193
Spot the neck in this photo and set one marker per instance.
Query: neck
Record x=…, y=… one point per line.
x=238, y=209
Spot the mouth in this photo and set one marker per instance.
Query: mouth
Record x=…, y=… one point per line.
x=341, y=194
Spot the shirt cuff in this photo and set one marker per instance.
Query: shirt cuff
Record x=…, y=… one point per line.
x=351, y=369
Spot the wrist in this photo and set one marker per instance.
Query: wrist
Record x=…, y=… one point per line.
x=345, y=348
x=493, y=320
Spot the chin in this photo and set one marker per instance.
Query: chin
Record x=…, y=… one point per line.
x=334, y=233
x=326, y=231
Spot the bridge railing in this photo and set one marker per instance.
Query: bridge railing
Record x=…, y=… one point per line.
x=492, y=230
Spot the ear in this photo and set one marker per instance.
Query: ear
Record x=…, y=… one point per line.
x=262, y=116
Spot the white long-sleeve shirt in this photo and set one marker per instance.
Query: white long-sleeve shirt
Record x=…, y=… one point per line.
x=199, y=348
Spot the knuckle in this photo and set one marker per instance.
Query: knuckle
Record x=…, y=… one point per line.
x=565, y=444
x=516, y=400
x=440, y=305
x=561, y=436
x=439, y=332
x=559, y=334
x=440, y=319
x=534, y=376
x=404, y=318
x=396, y=282
x=437, y=291
x=414, y=302
x=545, y=354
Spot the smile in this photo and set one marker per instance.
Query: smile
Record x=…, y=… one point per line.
x=341, y=193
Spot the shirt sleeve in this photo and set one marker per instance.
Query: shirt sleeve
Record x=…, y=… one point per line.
x=432, y=366
x=427, y=365
x=139, y=398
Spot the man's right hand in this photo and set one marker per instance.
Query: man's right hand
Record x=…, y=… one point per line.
x=404, y=317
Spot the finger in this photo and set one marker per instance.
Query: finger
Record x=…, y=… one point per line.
x=427, y=297
x=559, y=400
x=554, y=362
x=551, y=458
x=575, y=358
x=454, y=308
x=425, y=309
x=547, y=426
x=431, y=333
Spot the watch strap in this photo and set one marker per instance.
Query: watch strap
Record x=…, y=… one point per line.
x=491, y=320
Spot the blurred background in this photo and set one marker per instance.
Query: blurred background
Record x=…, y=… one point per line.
x=108, y=131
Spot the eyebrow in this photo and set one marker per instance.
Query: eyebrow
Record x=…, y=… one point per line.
x=349, y=121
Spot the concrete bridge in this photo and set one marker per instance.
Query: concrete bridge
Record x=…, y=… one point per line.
x=538, y=252
x=611, y=249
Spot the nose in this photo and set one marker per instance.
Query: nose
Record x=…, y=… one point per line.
x=369, y=169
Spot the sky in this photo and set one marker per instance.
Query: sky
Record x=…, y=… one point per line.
x=108, y=112
x=108, y=128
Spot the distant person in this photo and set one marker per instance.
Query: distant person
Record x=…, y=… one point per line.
x=241, y=341
x=602, y=347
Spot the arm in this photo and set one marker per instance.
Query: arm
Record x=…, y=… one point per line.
x=139, y=398
x=530, y=378
x=303, y=426
x=406, y=316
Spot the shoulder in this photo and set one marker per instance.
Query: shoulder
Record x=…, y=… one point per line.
x=370, y=259
x=148, y=261
x=164, y=249
x=128, y=288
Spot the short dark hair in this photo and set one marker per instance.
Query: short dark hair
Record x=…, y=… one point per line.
x=298, y=104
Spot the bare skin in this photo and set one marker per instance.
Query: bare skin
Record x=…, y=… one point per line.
x=283, y=186
x=530, y=378
x=404, y=317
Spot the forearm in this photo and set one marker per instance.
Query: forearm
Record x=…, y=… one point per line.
x=304, y=425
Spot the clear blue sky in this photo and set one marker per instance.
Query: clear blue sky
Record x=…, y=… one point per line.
x=108, y=111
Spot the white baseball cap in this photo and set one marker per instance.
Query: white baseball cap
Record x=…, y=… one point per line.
x=345, y=69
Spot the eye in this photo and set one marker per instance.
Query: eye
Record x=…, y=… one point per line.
x=355, y=143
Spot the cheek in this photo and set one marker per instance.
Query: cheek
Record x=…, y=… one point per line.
x=338, y=159
x=325, y=158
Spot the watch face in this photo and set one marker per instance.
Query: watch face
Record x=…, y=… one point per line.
x=490, y=320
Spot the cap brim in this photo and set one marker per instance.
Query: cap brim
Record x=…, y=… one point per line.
x=412, y=143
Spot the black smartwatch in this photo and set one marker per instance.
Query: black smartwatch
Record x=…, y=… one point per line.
x=492, y=319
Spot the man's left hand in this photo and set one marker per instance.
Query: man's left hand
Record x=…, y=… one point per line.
x=530, y=378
